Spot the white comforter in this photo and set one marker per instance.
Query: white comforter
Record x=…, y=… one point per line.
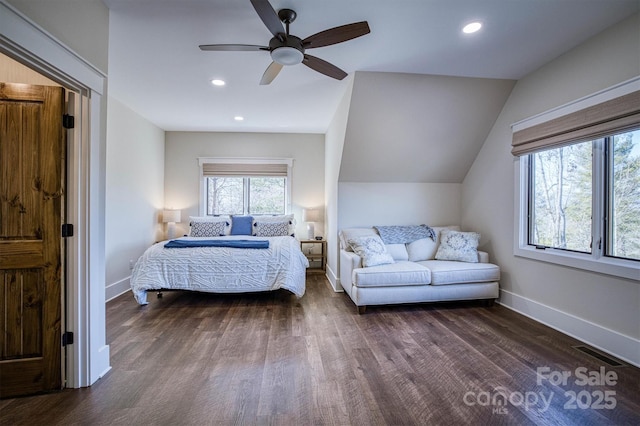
x=221, y=269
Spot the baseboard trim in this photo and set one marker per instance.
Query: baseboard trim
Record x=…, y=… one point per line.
x=334, y=281
x=619, y=345
x=116, y=289
x=102, y=366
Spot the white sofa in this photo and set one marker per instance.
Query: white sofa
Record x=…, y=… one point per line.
x=415, y=275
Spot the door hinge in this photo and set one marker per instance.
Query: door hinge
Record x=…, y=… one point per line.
x=68, y=121
x=67, y=338
x=67, y=230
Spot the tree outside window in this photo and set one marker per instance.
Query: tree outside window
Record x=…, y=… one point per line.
x=562, y=197
x=246, y=195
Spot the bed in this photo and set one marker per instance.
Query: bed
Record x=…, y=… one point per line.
x=207, y=264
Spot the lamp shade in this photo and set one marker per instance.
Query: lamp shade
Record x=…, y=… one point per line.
x=170, y=216
x=311, y=215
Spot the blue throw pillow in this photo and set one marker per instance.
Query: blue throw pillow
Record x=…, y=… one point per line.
x=241, y=225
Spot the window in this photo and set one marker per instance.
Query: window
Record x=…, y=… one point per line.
x=623, y=200
x=561, y=190
x=245, y=186
x=578, y=187
x=246, y=195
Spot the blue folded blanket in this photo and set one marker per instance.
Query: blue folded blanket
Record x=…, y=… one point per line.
x=256, y=244
x=404, y=234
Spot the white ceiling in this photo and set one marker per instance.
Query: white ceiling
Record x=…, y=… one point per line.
x=157, y=69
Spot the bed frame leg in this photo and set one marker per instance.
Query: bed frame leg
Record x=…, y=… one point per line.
x=361, y=309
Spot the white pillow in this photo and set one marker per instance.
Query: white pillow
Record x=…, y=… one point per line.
x=371, y=249
x=397, y=251
x=422, y=249
x=349, y=233
x=459, y=246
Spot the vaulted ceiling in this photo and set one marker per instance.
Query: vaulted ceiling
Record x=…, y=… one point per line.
x=157, y=69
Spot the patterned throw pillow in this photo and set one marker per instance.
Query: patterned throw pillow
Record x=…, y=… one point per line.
x=208, y=229
x=371, y=249
x=277, y=219
x=270, y=229
x=459, y=246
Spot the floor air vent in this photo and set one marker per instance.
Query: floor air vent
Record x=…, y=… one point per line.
x=604, y=358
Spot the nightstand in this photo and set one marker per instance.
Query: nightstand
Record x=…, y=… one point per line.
x=317, y=256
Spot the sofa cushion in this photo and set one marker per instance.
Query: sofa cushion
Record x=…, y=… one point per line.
x=425, y=248
x=395, y=274
x=397, y=251
x=460, y=246
x=445, y=272
x=371, y=249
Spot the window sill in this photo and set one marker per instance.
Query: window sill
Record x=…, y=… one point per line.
x=620, y=268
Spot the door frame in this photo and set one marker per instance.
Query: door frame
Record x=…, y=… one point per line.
x=87, y=359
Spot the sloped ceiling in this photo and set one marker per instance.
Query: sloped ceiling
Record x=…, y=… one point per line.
x=418, y=128
x=156, y=68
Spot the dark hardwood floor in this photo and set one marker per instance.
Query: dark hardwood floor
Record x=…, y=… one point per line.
x=258, y=359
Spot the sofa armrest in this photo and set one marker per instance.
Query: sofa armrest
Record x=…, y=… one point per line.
x=348, y=262
x=483, y=257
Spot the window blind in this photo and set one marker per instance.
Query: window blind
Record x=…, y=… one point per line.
x=615, y=115
x=242, y=169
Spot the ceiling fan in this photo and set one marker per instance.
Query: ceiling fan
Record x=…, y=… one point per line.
x=287, y=49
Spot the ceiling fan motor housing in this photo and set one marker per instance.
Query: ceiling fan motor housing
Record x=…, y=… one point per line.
x=288, y=51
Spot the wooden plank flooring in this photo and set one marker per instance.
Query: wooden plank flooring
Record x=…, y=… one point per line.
x=273, y=359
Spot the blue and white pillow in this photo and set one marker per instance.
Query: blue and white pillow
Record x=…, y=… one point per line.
x=458, y=246
x=226, y=220
x=371, y=249
x=208, y=229
x=270, y=229
x=291, y=221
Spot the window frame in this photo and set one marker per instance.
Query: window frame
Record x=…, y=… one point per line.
x=596, y=261
x=202, y=205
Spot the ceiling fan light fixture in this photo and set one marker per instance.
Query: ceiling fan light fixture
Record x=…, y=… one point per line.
x=287, y=55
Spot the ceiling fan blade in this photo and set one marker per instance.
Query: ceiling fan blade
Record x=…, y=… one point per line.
x=336, y=35
x=323, y=67
x=269, y=16
x=232, y=47
x=270, y=73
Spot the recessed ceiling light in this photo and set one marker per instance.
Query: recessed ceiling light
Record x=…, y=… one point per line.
x=472, y=27
x=217, y=82
x=238, y=118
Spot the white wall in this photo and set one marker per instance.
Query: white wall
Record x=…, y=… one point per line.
x=134, y=192
x=81, y=25
x=334, y=142
x=599, y=309
x=182, y=173
x=370, y=204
